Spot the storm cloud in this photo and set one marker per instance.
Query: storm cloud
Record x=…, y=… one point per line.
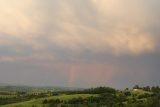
x=74, y=38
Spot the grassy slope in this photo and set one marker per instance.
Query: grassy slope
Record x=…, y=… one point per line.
x=38, y=102
x=140, y=92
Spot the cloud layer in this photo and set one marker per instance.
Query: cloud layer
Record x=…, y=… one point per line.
x=118, y=27
x=74, y=37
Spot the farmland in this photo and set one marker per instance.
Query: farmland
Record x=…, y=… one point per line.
x=93, y=97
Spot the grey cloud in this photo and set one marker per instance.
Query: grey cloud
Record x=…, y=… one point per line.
x=78, y=34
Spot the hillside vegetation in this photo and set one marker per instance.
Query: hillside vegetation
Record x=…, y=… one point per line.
x=94, y=97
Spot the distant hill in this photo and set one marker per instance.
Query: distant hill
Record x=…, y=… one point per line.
x=8, y=87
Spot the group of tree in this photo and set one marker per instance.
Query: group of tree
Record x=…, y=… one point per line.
x=155, y=89
x=109, y=97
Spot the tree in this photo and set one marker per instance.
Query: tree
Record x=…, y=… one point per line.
x=136, y=87
x=147, y=88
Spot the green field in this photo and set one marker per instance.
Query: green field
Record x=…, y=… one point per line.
x=94, y=97
x=38, y=102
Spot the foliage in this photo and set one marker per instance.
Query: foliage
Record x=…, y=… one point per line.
x=94, y=97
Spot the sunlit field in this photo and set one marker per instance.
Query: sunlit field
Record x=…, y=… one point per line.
x=94, y=97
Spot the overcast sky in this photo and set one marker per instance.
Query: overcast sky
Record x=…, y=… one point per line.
x=80, y=43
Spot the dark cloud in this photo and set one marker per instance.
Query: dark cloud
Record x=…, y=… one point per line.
x=61, y=42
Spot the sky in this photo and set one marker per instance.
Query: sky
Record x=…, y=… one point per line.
x=80, y=43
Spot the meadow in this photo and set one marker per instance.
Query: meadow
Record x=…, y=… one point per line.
x=93, y=97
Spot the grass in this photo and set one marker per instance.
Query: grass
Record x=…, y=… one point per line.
x=38, y=102
x=140, y=92
x=7, y=96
